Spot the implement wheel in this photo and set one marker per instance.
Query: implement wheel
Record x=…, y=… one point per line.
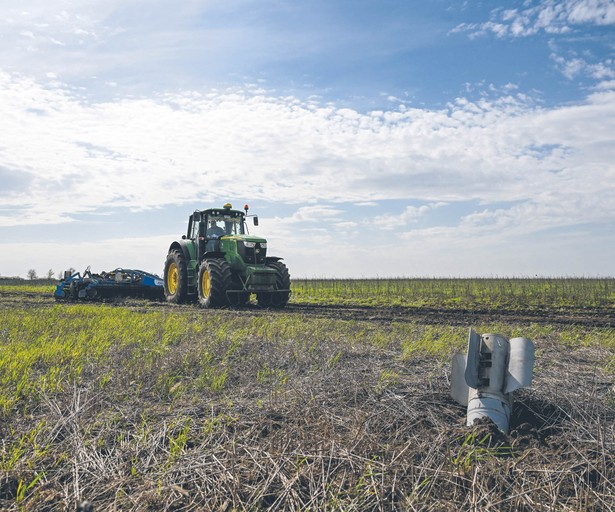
x=214, y=280
x=175, y=278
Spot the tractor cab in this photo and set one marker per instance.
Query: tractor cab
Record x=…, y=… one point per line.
x=207, y=227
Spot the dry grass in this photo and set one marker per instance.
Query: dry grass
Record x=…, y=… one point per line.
x=366, y=432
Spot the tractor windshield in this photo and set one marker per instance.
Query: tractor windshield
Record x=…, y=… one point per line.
x=225, y=224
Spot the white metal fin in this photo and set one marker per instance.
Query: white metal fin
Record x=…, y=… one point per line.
x=520, y=364
x=473, y=361
x=459, y=387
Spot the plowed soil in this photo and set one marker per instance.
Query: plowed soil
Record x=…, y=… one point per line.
x=587, y=317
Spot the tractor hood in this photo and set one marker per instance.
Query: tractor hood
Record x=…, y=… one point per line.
x=245, y=238
x=244, y=249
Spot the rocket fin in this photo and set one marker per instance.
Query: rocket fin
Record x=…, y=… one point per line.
x=520, y=364
x=459, y=388
x=473, y=361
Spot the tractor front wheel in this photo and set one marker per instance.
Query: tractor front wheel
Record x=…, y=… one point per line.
x=175, y=278
x=214, y=280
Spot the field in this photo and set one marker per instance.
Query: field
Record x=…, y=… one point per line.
x=338, y=402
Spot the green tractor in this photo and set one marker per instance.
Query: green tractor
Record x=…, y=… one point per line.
x=219, y=264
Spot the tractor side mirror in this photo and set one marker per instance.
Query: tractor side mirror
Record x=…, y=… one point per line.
x=256, y=220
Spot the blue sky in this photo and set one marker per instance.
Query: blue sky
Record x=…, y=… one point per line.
x=373, y=138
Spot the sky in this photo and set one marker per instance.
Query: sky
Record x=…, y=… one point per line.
x=390, y=138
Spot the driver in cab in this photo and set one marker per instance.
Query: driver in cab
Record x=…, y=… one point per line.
x=214, y=231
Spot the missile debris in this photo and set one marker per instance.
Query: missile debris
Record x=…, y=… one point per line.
x=485, y=378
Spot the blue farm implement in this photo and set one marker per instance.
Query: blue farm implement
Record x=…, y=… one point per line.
x=120, y=282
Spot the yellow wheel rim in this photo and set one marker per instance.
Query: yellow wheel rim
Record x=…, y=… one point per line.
x=173, y=278
x=206, y=284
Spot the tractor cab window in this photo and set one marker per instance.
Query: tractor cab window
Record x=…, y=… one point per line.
x=221, y=225
x=194, y=227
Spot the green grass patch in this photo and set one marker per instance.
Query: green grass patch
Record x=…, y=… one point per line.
x=449, y=293
x=171, y=353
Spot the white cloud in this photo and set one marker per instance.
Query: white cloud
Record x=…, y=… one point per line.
x=569, y=68
x=189, y=147
x=410, y=215
x=606, y=85
x=550, y=16
x=600, y=12
x=314, y=214
x=573, y=67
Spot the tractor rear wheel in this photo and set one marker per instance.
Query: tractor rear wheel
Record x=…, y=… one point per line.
x=175, y=277
x=282, y=282
x=214, y=280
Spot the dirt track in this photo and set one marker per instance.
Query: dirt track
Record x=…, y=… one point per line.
x=584, y=317
x=580, y=316
x=590, y=317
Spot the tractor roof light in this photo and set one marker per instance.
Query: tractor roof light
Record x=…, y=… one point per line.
x=227, y=206
x=484, y=378
x=246, y=208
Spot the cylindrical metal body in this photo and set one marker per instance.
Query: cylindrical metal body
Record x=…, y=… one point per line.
x=495, y=406
x=489, y=400
x=493, y=362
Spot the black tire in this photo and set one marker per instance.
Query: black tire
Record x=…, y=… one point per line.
x=175, y=280
x=276, y=299
x=214, y=280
